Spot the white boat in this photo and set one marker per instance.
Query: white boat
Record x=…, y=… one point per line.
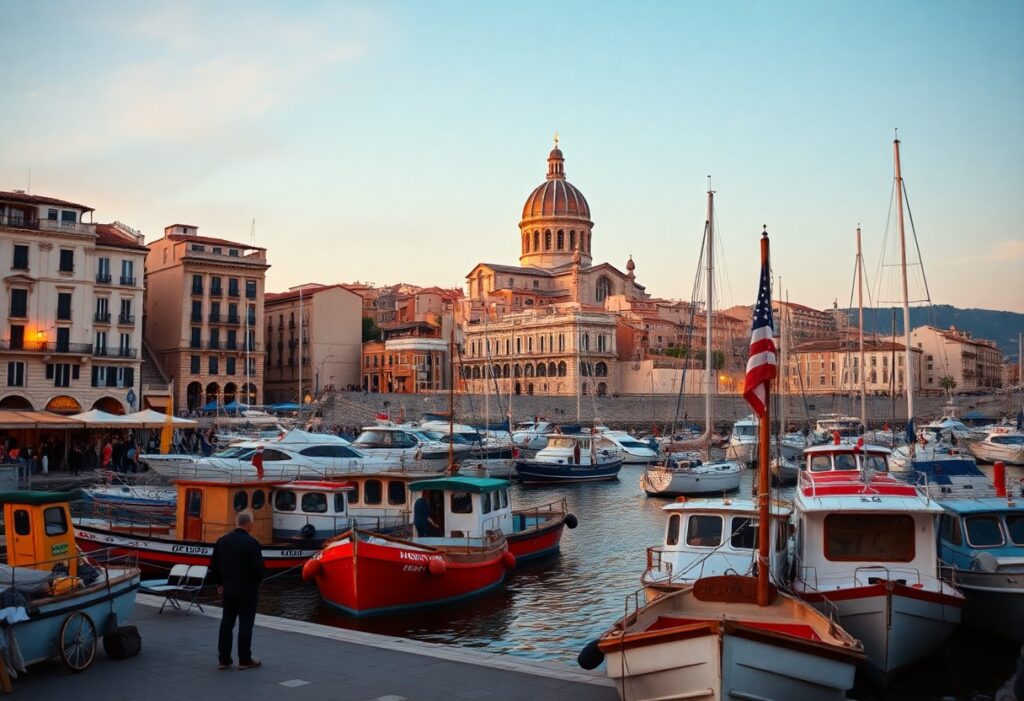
x=478, y=444
x=828, y=425
x=742, y=445
x=686, y=476
x=532, y=435
x=785, y=470
x=1002, y=443
x=502, y=468
x=407, y=446
x=633, y=451
x=711, y=537
x=866, y=545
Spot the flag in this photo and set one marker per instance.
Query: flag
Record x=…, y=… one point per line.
x=762, y=365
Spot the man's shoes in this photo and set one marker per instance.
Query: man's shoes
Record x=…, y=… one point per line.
x=251, y=664
x=223, y=665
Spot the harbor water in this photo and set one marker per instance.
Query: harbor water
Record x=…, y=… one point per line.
x=549, y=609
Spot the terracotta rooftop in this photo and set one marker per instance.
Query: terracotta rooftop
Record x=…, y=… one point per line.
x=213, y=241
x=848, y=345
x=307, y=292
x=25, y=198
x=110, y=235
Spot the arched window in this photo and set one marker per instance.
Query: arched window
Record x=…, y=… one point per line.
x=584, y=389
x=552, y=370
x=561, y=369
x=536, y=240
x=542, y=344
x=584, y=369
x=601, y=369
x=528, y=370
x=572, y=240
x=561, y=342
x=526, y=243
x=517, y=370
x=476, y=373
x=529, y=388
x=547, y=240
x=602, y=389
x=505, y=370
x=603, y=288
x=561, y=239
x=542, y=370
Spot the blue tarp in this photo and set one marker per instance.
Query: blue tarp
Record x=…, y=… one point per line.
x=235, y=406
x=284, y=406
x=210, y=406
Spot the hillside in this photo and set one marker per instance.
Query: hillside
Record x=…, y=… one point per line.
x=1001, y=327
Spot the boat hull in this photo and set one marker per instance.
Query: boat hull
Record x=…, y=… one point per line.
x=535, y=536
x=995, y=603
x=744, y=452
x=374, y=577
x=669, y=482
x=534, y=472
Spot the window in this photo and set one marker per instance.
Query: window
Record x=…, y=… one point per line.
x=20, y=257
x=197, y=284
x=101, y=343
x=68, y=217
x=869, y=538
x=821, y=463
x=232, y=339
x=17, y=336
x=63, y=340
x=485, y=502
x=55, y=521
x=197, y=310
x=547, y=240
x=250, y=289
x=949, y=529
x=983, y=531
x=19, y=304
x=396, y=492
x=102, y=309
x=63, y=306
x=314, y=503
x=284, y=501
x=60, y=373
x=233, y=287
x=461, y=503
x=1015, y=527
x=704, y=531
x=125, y=347
x=259, y=499
x=214, y=338
x=215, y=286
x=194, y=366
x=22, y=524
x=229, y=366
x=195, y=339
x=16, y=374
x=744, y=533
x=353, y=496
x=504, y=498
x=67, y=260
x=240, y=501
x=213, y=365
x=372, y=492
x=672, y=532
x=603, y=289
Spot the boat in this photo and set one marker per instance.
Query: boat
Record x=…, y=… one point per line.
x=532, y=435
x=59, y=603
x=785, y=470
x=633, y=451
x=502, y=468
x=866, y=546
x=149, y=498
x=407, y=446
x=742, y=445
x=731, y=636
x=481, y=445
x=713, y=537
x=828, y=425
x=1001, y=443
x=571, y=458
x=362, y=573
x=981, y=546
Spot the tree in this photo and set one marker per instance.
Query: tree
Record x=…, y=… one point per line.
x=947, y=383
x=371, y=332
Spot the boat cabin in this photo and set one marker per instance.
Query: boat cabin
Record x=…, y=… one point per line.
x=577, y=449
x=845, y=426
x=311, y=510
x=746, y=428
x=846, y=456
x=206, y=509
x=985, y=535
x=38, y=530
x=466, y=507
x=711, y=537
x=381, y=500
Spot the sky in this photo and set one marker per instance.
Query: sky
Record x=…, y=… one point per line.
x=397, y=141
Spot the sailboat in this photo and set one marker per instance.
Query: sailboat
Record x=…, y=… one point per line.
x=691, y=473
x=732, y=636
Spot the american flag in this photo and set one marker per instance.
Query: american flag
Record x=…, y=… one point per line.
x=762, y=364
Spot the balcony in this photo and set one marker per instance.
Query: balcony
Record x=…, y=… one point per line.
x=251, y=321
x=126, y=319
x=194, y=343
x=18, y=220
x=214, y=318
x=234, y=319
x=230, y=345
x=128, y=281
x=48, y=347
x=213, y=345
x=196, y=317
x=101, y=317
x=197, y=290
x=102, y=278
x=115, y=352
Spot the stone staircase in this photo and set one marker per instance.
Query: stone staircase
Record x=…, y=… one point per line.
x=153, y=380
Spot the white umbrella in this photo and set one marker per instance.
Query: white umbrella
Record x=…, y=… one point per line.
x=95, y=418
x=149, y=418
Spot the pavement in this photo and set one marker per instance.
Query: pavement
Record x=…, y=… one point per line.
x=303, y=661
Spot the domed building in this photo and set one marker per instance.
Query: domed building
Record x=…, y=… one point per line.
x=556, y=220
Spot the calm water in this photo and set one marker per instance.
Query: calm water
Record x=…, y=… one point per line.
x=550, y=609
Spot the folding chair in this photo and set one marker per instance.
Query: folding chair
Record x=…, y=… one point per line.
x=184, y=583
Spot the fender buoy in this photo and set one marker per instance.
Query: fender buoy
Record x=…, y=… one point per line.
x=311, y=570
x=437, y=567
x=509, y=560
x=590, y=656
x=307, y=531
x=571, y=521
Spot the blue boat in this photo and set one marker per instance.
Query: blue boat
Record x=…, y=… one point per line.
x=57, y=601
x=569, y=458
x=981, y=545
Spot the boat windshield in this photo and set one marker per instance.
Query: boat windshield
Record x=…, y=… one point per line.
x=630, y=443
x=232, y=452
x=874, y=462
x=565, y=442
x=1008, y=440
x=739, y=430
x=1015, y=526
x=984, y=531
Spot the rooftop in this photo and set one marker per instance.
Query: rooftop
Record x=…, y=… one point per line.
x=25, y=198
x=112, y=235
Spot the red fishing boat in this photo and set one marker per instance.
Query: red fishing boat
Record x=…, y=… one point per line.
x=463, y=552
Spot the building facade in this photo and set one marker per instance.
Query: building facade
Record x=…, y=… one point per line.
x=971, y=363
x=328, y=321
x=73, y=295
x=204, y=316
x=833, y=367
x=410, y=358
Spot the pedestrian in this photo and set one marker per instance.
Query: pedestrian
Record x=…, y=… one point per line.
x=236, y=567
x=425, y=525
x=108, y=455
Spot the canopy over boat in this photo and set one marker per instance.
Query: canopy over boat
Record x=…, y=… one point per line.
x=475, y=485
x=39, y=498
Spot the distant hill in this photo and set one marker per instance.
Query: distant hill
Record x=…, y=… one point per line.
x=1001, y=327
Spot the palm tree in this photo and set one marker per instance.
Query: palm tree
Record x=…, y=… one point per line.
x=947, y=383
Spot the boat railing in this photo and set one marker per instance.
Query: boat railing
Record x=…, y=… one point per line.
x=857, y=479
x=134, y=519
x=92, y=567
x=867, y=571
x=557, y=506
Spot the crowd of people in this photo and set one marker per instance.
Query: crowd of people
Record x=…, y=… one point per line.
x=118, y=452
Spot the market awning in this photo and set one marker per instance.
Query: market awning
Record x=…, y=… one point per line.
x=94, y=418
x=148, y=418
x=36, y=419
x=158, y=403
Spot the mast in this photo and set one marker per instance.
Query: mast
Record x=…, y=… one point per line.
x=908, y=370
x=451, y=398
x=763, y=483
x=784, y=370
x=300, y=355
x=892, y=383
x=487, y=379
x=579, y=366
x=860, y=333
x=709, y=365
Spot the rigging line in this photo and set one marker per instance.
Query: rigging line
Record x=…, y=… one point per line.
x=687, y=349
x=917, y=244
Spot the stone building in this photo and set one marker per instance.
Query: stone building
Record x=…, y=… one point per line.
x=833, y=367
x=73, y=297
x=204, y=316
x=972, y=363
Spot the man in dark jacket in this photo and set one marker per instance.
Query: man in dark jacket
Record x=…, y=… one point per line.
x=236, y=567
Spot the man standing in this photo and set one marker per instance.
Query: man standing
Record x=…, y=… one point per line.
x=236, y=567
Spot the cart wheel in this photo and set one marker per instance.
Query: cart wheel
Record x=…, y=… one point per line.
x=77, y=641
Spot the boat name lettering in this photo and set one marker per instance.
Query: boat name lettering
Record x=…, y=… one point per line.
x=413, y=568
x=190, y=549
x=291, y=553
x=417, y=557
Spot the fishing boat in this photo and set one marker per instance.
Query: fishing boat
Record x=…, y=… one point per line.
x=145, y=498
x=731, y=636
x=1000, y=443
x=828, y=425
x=571, y=458
x=742, y=445
x=59, y=603
x=362, y=573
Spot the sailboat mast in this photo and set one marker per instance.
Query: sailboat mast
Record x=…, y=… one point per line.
x=487, y=380
x=451, y=398
x=860, y=333
x=780, y=326
x=908, y=369
x=579, y=369
x=709, y=365
x=300, y=355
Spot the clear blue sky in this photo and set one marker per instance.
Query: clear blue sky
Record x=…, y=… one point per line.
x=392, y=142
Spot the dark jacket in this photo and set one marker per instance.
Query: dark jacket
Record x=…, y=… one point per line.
x=237, y=561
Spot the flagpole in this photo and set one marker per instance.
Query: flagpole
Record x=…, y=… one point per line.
x=763, y=485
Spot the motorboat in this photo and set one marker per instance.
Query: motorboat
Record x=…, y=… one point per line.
x=404, y=445
x=688, y=474
x=482, y=445
x=828, y=425
x=633, y=451
x=532, y=435
x=502, y=468
x=866, y=546
x=149, y=498
x=712, y=537
x=981, y=546
x=785, y=470
x=1001, y=443
x=742, y=445
x=572, y=458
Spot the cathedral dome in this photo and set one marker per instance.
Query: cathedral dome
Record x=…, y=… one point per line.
x=556, y=196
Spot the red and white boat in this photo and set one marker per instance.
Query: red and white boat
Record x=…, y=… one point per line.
x=363, y=573
x=866, y=546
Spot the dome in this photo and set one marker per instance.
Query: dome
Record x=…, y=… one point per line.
x=556, y=197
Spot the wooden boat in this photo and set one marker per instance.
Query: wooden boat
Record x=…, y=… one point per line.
x=362, y=573
x=70, y=601
x=676, y=476
x=571, y=458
